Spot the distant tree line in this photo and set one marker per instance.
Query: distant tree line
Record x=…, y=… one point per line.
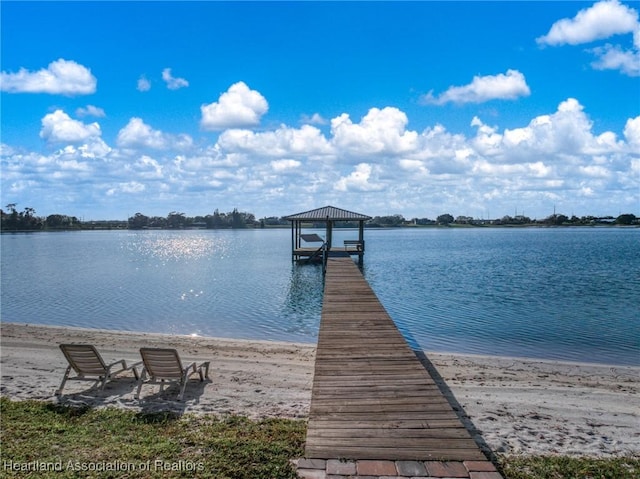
x=26, y=220
x=518, y=220
x=175, y=220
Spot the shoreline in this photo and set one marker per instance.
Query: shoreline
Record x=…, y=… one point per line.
x=302, y=344
x=515, y=406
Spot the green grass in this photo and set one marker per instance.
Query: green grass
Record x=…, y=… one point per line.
x=562, y=467
x=78, y=440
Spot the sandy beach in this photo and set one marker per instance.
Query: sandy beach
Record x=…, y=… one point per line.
x=514, y=406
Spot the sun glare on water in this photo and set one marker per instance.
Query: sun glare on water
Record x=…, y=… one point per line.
x=170, y=247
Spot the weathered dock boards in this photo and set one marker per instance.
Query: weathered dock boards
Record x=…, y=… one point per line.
x=371, y=397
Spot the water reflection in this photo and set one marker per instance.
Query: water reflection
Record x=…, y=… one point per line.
x=303, y=303
x=176, y=246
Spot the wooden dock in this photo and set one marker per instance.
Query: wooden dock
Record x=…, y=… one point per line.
x=372, y=398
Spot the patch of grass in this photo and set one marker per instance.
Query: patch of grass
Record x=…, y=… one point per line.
x=113, y=443
x=563, y=467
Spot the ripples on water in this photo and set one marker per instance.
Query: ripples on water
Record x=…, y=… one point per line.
x=559, y=294
x=549, y=293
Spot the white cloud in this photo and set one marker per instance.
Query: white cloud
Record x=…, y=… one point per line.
x=485, y=167
x=137, y=134
x=488, y=140
x=315, y=119
x=613, y=57
x=172, y=82
x=595, y=171
x=146, y=168
x=441, y=148
x=567, y=130
x=62, y=77
x=632, y=133
x=602, y=20
x=91, y=110
x=93, y=148
x=376, y=165
x=143, y=84
x=22, y=186
x=507, y=86
x=379, y=132
x=555, y=154
x=238, y=107
x=74, y=165
x=416, y=167
x=359, y=180
x=281, y=166
x=130, y=187
x=285, y=141
x=58, y=127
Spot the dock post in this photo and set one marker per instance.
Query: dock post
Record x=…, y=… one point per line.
x=361, y=242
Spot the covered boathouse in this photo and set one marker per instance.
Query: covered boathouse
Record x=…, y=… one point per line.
x=311, y=247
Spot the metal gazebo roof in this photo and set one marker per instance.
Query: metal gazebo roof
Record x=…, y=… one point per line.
x=327, y=213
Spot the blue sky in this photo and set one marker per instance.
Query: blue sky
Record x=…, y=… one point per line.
x=420, y=108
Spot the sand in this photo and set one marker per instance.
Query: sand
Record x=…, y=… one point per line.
x=512, y=405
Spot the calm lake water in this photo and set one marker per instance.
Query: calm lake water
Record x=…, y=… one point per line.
x=566, y=293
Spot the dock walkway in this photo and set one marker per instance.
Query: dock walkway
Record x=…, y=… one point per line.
x=374, y=407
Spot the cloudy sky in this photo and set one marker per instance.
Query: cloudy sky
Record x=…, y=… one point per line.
x=419, y=108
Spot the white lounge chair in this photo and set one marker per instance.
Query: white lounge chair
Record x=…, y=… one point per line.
x=86, y=361
x=162, y=365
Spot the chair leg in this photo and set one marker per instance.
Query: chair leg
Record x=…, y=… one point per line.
x=64, y=381
x=185, y=380
x=141, y=379
x=206, y=371
x=103, y=381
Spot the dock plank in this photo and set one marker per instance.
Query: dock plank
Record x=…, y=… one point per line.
x=371, y=396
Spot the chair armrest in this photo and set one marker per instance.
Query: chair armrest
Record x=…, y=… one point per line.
x=121, y=361
x=191, y=366
x=134, y=368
